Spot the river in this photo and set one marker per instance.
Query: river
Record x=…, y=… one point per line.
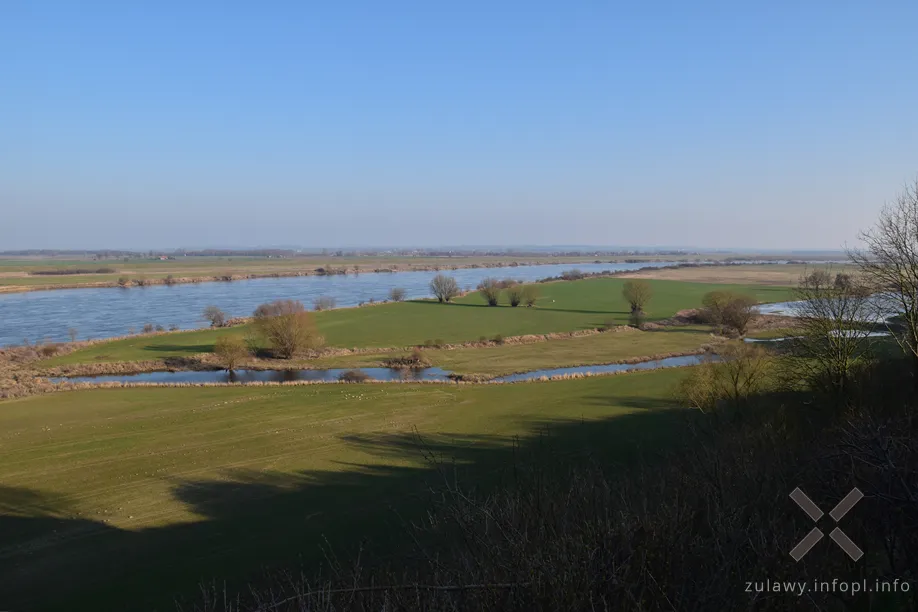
x=107, y=312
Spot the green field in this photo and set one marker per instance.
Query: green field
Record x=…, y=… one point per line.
x=563, y=307
x=121, y=497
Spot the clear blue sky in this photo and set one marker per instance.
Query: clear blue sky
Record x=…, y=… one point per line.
x=724, y=124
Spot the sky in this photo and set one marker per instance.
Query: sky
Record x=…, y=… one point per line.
x=167, y=124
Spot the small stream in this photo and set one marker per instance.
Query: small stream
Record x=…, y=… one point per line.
x=375, y=374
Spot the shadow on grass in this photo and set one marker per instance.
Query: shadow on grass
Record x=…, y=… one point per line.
x=180, y=348
x=255, y=522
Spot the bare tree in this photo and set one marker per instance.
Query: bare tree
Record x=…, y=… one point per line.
x=835, y=324
x=742, y=371
x=729, y=309
x=890, y=262
x=637, y=293
x=287, y=328
x=324, y=302
x=444, y=287
x=73, y=334
x=397, y=294
x=515, y=294
x=216, y=316
x=530, y=295
x=489, y=288
x=231, y=351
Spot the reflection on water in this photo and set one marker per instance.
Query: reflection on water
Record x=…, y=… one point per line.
x=377, y=374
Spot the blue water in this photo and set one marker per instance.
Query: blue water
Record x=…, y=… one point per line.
x=382, y=374
x=107, y=312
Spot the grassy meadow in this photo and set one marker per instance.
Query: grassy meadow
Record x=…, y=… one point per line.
x=124, y=495
x=562, y=307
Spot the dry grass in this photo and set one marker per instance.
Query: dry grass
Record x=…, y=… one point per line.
x=778, y=275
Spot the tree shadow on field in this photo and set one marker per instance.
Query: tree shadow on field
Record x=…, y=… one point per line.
x=252, y=523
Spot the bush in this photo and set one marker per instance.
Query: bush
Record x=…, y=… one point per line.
x=743, y=371
x=72, y=332
x=231, y=351
x=444, y=288
x=498, y=339
x=637, y=293
x=169, y=280
x=160, y=328
x=324, y=302
x=574, y=274
x=530, y=295
x=415, y=360
x=148, y=328
x=728, y=309
x=124, y=281
x=489, y=288
x=515, y=295
x=397, y=294
x=287, y=328
x=216, y=316
x=173, y=327
x=354, y=376
x=48, y=350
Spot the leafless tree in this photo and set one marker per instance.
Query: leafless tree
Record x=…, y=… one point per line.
x=287, y=328
x=324, y=302
x=742, y=372
x=216, y=316
x=729, y=309
x=515, y=294
x=489, y=288
x=530, y=294
x=231, y=351
x=890, y=262
x=637, y=293
x=73, y=334
x=835, y=331
x=444, y=287
x=397, y=294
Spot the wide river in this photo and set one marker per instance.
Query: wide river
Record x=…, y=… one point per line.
x=106, y=312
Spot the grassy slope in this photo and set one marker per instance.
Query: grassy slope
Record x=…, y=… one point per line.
x=507, y=359
x=111, y=493
x=564, y=306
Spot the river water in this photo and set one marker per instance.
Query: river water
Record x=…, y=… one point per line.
x=106, y=312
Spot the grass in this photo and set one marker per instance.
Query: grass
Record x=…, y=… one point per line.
x=758, y=274
x=563, y=307
x=497, y=360
x=129, y=494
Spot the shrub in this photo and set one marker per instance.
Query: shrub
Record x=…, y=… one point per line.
x=397, y=294
x=498, y=339
x=743, y=372
x=574, y=274
x=515, y=295
x=444, y=288
x=48, y=350
x=324, y=302
x=354, y=376
x=530, y=295
x=637, y=293
x=124, y=281
x=287, y=328
x=728, y=309
x=72, y=332
x=173, y=327
x=148, y=328
x=160, y=328
x=490, y=290
x=216, y=316
x=414, y=360
x=231, y=351
x=169, y=280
